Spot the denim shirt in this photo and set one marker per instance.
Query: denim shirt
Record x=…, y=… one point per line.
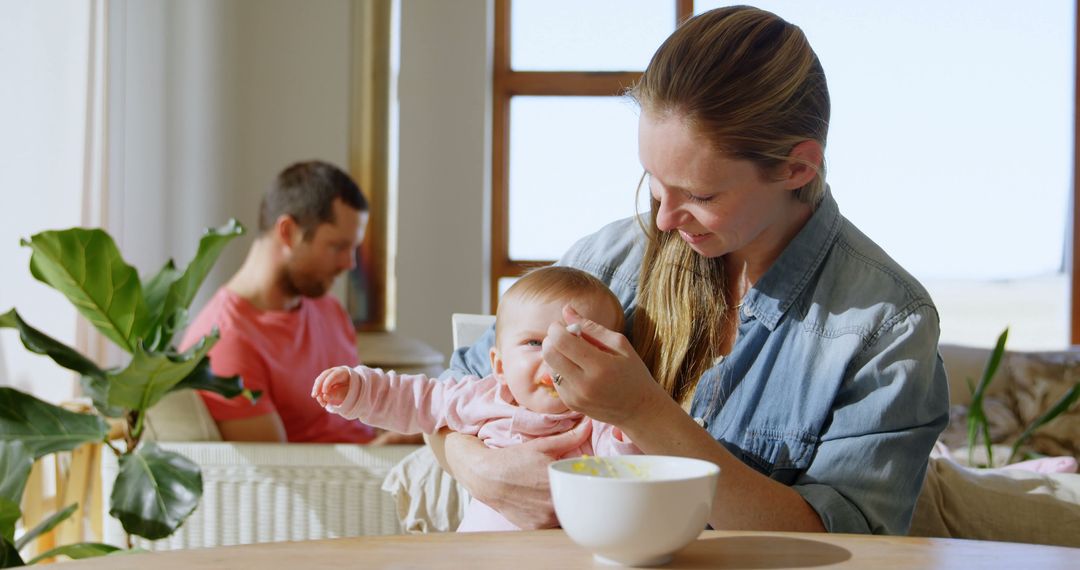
x=834, y=385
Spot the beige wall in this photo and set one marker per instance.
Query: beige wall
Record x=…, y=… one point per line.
x=43, y=54
x=444, y=169
x=208, y=100
x=216, y=96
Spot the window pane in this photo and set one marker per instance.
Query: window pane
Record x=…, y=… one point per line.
x=599, y=35
x=951, y=146
x=573, y=168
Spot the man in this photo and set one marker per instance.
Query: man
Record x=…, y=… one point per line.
x=278, y=326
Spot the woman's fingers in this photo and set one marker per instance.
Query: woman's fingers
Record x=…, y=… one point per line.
x=595, y=334
x=556, y=348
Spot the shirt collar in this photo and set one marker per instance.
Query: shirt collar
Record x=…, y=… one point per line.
x=770, y=298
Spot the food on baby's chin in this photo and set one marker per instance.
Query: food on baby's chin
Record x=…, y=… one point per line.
x=548, y=384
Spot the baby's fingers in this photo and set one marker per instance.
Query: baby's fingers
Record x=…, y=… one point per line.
x=317, y=385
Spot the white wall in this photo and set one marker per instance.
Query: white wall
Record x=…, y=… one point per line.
x=216, y=98
x=209, y=100
x=444, y=170
x=43, y=55
x=219, y=96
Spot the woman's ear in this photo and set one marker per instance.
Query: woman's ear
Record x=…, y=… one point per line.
x=803, y=165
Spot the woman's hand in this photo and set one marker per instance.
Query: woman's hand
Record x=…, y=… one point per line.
x=601, y=374
x=513, y=480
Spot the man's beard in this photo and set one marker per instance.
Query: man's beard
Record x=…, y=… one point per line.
x=296, y=283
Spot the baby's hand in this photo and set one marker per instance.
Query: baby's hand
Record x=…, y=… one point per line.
x=332, y=386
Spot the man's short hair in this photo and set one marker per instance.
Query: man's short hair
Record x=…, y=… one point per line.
x=306, y=191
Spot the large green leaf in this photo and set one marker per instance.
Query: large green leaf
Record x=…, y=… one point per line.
x=155, y=491
x=15, y=461
x=155, y=289
x=149, y=376
x=164, y=303
x=97, y=389
x=46, y=525
x=41, y=343
x=203, y=378
x=44, y=428
x=76, y=551
x=9, y=555
x=9, y=515
x=86, y=266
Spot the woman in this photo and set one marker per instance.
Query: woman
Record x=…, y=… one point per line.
x=807, y=357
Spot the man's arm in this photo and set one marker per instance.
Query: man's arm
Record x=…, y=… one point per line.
x=265, y=427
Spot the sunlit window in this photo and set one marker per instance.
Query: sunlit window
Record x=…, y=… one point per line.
x=950, y=142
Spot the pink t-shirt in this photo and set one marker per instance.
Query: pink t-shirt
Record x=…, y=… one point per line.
x=280, y=353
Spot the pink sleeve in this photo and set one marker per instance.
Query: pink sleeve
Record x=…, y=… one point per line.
x=609, y=440
x=413, y=403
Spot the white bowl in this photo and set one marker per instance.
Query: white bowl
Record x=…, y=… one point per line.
x=634, y=510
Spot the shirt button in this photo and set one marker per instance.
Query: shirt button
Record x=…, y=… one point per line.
x=699, y=421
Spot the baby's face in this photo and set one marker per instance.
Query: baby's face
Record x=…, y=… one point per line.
x=516, y=357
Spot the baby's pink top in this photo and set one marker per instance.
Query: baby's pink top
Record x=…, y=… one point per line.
x=483, y=407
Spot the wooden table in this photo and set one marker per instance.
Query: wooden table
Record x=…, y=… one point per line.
x=552, y=549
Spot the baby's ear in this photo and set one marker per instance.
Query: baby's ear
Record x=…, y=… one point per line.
x=496, y=362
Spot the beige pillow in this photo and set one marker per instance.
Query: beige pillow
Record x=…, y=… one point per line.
x=181, y=416
x=1040, y=379
x=998, y=504
x=1027, y=384
x=427, y=498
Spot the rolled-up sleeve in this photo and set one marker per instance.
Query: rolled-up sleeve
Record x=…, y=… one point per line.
x=872, y=455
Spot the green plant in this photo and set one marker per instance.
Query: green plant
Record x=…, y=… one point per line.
x=977, y=422
x=156, y=489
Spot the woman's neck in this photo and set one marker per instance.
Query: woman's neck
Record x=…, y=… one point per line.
x=753, y=261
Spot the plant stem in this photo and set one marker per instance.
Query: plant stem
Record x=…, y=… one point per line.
x=136, y=433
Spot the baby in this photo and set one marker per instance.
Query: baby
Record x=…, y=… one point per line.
x=516, y=403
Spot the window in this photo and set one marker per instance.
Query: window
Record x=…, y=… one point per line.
x=565, y=139
x=939, y=147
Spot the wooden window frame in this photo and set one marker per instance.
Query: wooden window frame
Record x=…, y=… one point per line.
x=508, y=83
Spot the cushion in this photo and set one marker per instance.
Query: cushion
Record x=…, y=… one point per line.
x=427, y=498
x=1026, y=385
x=181, y=416
x=1040, y=379
x=998, y=504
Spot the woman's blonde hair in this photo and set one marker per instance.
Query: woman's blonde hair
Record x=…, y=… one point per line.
x=748, y=82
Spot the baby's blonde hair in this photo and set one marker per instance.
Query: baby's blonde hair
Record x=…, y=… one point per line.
x=557, y=282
